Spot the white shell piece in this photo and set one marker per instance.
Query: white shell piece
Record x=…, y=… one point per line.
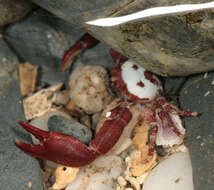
x=132, y=76
x=173, y=173
x=101, y=174
x=168, y=137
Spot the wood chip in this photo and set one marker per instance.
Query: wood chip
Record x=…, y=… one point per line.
x=64, y=176
x=27, y=77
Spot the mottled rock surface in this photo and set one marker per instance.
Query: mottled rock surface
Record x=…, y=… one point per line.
x=42, y=39
x=197, y=94
x=170, y=46
x=63, y=125
x=18, y=170
x=9, y=63
x=13, y=10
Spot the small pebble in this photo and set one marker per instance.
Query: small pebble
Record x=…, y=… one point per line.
x=63, y=125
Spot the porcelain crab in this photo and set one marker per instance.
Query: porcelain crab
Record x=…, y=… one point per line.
x=134, y=85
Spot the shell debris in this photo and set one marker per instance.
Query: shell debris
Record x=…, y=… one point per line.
x=41, y=102
x=27, y=77
x=64, y=176
x=138, y=156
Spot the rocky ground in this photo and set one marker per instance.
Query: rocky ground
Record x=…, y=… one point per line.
x=42, y=39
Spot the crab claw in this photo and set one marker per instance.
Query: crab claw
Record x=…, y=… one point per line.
x=60, y=148
x=69, y=151
x=86, y=41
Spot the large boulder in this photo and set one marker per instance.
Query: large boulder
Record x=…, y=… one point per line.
x=171, y=45
x=13, y=10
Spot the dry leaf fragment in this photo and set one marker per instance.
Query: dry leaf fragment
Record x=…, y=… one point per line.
x=27, y=77
x=64, y=176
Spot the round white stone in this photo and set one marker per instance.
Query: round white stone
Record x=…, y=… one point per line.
x=174, y=173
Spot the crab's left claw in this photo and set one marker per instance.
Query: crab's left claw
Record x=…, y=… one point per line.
x=86, y=41
x=61, y=148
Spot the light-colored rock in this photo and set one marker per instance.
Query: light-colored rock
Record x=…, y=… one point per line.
x=88, y=88
x=173, y=173
x=101, y=174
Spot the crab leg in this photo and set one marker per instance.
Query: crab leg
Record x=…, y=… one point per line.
x=67, y=150
x=86, y=41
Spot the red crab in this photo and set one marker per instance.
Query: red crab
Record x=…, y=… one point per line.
x=134, y=85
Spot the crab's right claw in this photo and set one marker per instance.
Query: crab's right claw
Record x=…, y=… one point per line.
x=60, y=148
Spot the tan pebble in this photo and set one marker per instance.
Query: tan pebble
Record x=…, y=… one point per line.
x=64, y=176
x=129, y=188
x=121, y=181
x=29, y=184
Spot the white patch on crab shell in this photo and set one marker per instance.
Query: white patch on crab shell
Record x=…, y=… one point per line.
x=175, y=173
x=132, y=76
x=165, y=135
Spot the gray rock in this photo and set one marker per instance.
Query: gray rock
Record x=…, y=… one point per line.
x=13, y=10
x=18, y=170
x=42, y=39
x=172, y=87
x=9, y=63
x=63, y=125
x=175, y=45
x=198, y=95
x=35, y=39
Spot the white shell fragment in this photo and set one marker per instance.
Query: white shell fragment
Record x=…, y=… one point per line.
x=132, y=76
x=102, y=174
x=173, y=173
x=41, y=102
x=166, y=136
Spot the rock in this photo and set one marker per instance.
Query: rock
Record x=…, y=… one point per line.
x=175, y=172
x=36, y=40
x=9, y=63
x=172, y=86
x=42, y=39
x=42, y=121
x=175, y=45
x=197, y=94
x=18, y=170
x=101, y=174
x=61, y=124
x=13, y=10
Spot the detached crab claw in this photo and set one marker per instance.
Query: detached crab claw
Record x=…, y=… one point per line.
x=67, y=150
